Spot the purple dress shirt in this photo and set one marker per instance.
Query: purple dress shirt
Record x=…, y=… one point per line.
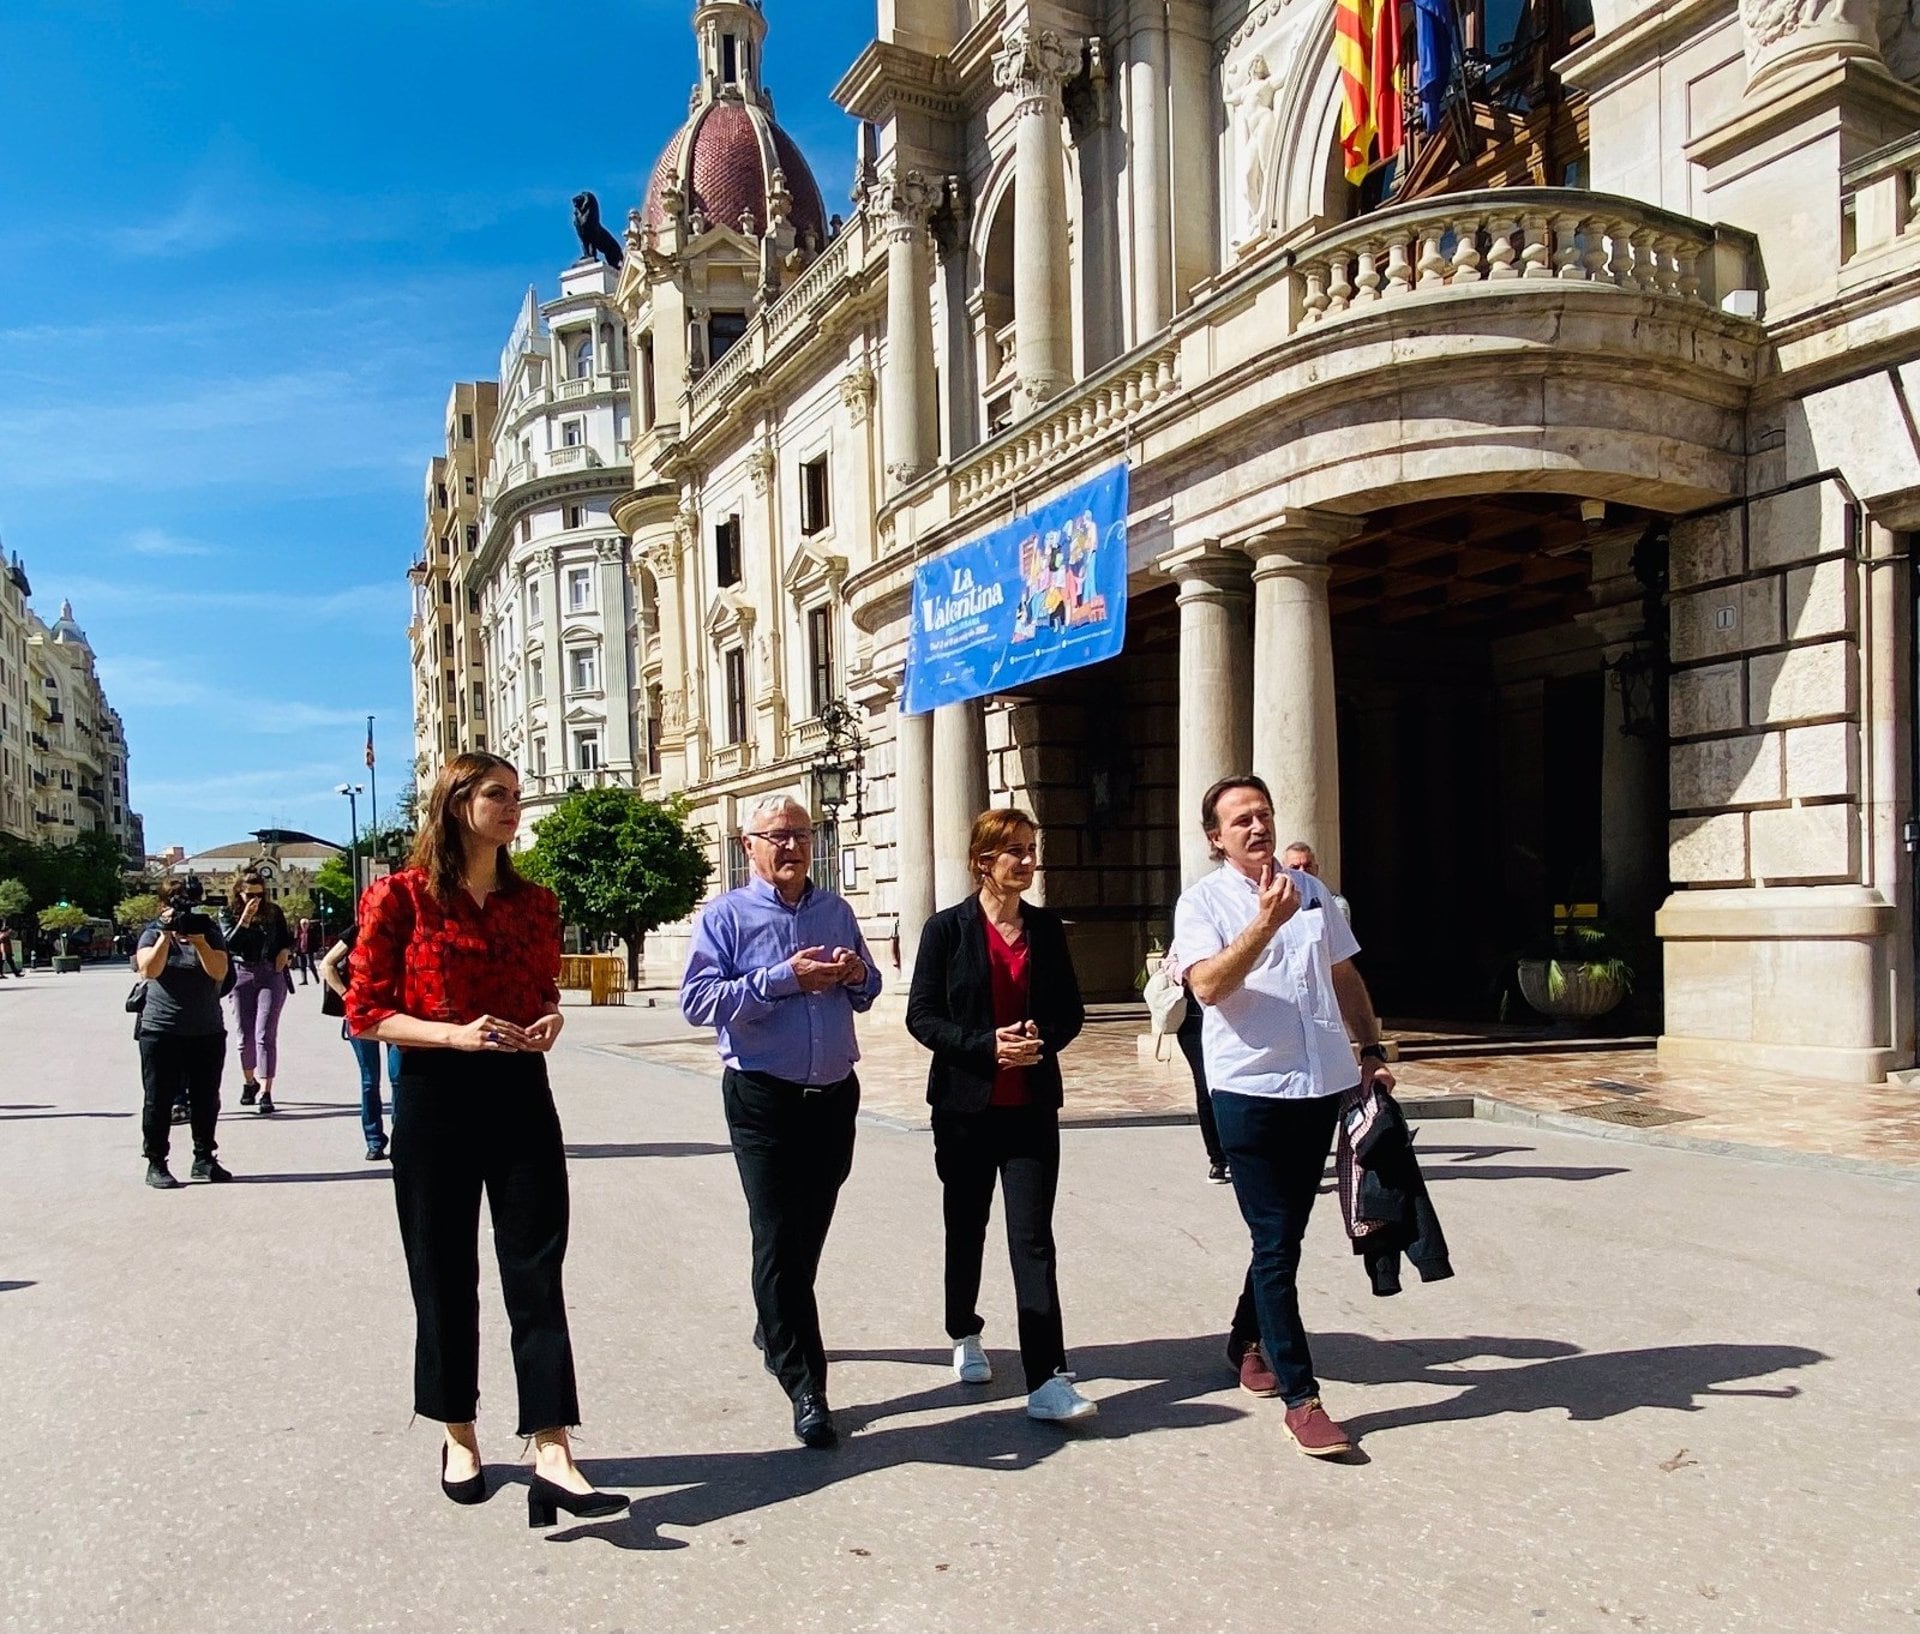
x=740, y=983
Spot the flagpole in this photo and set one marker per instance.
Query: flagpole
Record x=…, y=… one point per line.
x=373, y=791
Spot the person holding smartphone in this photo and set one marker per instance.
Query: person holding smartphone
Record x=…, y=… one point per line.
x=995, y=998
x=262, y=942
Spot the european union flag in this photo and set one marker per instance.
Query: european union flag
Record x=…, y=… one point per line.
x=1435, y=44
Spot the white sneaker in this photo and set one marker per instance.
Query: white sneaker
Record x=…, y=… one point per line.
x=970, y=1364
x=1058, y=1402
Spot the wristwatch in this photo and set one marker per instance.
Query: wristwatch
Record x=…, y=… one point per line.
x=1373, y=1052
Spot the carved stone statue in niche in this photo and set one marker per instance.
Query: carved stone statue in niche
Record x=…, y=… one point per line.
x=1254, y=121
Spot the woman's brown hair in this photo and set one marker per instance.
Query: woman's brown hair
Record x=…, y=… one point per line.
x=993, y=831
x=439, y=852
x=271, y=915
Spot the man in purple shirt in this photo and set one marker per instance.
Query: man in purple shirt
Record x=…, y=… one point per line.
x=778, y=968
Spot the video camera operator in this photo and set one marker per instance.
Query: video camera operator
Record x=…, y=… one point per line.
x=182, y=958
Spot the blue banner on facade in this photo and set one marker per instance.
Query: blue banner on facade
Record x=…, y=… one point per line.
x=1045, y=594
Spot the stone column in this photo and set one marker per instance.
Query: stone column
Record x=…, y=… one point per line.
x=1216, y=700
x=913, y=829
x=959, y=794
x=1295, y=743
x=1633, y=802
x=905, y=200
x=1034, y=64
x=617, y=747
x=1193, y=162
x=1147, y=189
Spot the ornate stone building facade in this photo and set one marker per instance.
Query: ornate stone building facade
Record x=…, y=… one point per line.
x=63, y=750
x=1534, y=518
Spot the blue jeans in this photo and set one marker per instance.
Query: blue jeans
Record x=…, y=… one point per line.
x=1276, y=1153
x=372, y=1115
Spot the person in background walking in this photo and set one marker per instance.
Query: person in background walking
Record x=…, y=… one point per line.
x=182, y=1034
x=306, y=938
x=779, y=969
x=994, y=997
x=7, y=960
x=1266, y=951
x=458, y=962
x=1300, y=855
x=366, y=1051
x=1188, y=1038
x=261, y=941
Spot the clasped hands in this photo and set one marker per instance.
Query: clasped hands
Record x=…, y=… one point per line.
x=816, y=970
x=1018, y=1045
x=492, y=1036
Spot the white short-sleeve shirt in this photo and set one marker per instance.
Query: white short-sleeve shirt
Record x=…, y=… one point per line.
x=1280, y=1033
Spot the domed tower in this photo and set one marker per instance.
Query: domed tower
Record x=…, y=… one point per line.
x=731, y=212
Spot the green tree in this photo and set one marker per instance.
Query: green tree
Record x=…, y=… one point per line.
x=299, y=905
x=333, y=885
x=15, y=898
x=63, y=919
x=621, y=865
x=136, y=912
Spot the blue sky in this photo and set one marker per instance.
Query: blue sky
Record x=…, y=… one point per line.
x=246, y=246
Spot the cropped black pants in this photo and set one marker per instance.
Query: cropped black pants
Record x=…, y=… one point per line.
x=464, y=1124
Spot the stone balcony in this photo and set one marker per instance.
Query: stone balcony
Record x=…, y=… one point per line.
x=1544, y=338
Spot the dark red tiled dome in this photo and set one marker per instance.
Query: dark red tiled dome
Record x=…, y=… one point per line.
x=723, y=158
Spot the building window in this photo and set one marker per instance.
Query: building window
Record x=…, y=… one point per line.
x=575, y=516
x=473, y=536
x=579, y=589
x=540, y=756
x=586, y=751
x=466, y=434
x=648, y=410
x=735, y=662
x=816, y=511
x=825, y=869
x=572, y=433
x=469, y=486
x=446, y=592
x=819, y=659
x=729, y=59
x=536, y=679
x=585, y=663
x=533, y=602
x=724, y=331
x=653, y=731
x=526, y=529
x=726, y=552
x=479, y=700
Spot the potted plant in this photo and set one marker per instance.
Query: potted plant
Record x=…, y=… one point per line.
x=61, y=922
x=1577, y=974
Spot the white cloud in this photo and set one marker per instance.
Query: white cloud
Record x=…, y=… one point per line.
x=348, y=605
x=207, y=219
x=158, y=542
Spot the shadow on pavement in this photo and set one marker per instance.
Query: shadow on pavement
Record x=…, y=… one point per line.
x=10, y=1287
x=373, y=1171
x=663, y=1148
x=998, y=1436
x=1556, y=1376
x=29, y=1117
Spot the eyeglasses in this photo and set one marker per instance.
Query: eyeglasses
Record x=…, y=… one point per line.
x=1019, y=853
x=784, y=839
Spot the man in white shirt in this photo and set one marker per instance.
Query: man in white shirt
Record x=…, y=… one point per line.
x=1270, y=956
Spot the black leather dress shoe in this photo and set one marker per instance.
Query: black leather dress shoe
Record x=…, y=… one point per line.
x=813, y=1420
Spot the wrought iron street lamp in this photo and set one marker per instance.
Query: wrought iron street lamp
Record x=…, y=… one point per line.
x=836, y=773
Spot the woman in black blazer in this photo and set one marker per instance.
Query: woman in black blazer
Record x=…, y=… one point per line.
x=995, y=998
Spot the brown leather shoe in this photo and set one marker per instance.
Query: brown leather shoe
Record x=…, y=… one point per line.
x=1256, y=1378
x=1314, y=1433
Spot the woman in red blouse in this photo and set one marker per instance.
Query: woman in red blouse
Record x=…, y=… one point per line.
x=458, y=962
x=996, y=1000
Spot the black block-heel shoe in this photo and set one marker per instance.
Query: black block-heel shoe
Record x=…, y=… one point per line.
x=544, y=1497
x=473, y=1490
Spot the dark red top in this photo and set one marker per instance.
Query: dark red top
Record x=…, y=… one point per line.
x=1009, y=965
x=455, y=961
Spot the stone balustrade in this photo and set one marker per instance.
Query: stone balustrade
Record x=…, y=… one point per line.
x=1880, y=200
x=1101, y=407
x=1519, y=235
x=579, y=457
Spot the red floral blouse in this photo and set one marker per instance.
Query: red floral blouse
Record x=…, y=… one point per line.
x=453, y=961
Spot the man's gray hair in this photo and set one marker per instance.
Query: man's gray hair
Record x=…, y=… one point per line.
x=1300, y=845
x=774, y=805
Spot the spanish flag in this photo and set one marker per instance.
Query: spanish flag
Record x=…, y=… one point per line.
x=1366, y=44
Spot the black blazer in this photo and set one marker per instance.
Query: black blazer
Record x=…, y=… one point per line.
x=950, y=1006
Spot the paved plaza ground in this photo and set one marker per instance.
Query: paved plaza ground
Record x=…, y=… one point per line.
x=1667, y=1390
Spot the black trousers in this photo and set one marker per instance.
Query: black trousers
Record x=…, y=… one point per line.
x=794, y=1149
x=1019, y=1145
x=1277, y=1150
x=463, y=1124
x=1189, y=1040
x=174, y=1067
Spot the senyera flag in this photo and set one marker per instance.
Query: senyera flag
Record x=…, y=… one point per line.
x=1366, y=44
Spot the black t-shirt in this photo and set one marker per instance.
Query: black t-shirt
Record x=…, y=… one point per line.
x=183, y=999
